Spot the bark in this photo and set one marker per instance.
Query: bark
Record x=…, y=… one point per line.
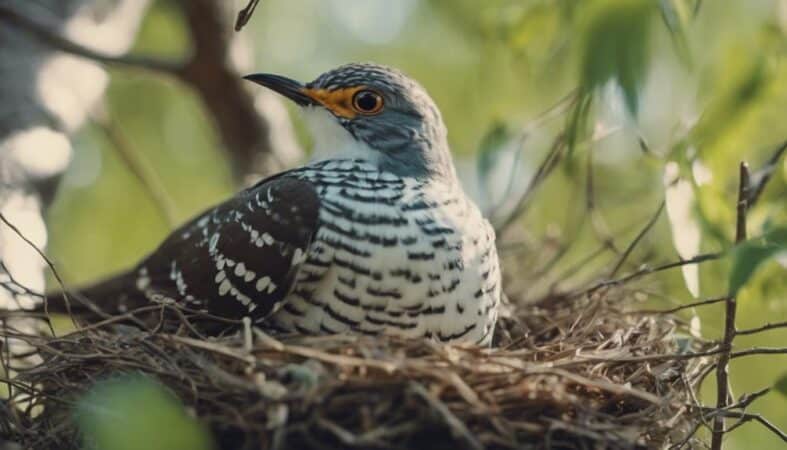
x=255, y=130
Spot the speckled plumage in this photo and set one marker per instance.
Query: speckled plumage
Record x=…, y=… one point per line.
x=376, y=236
x=394, y=255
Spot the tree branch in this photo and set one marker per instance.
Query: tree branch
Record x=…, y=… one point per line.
x=245, y=133
x=710, y=301
x=722, y=367
x=647, y=270
x=46, y=260
x=245, y=14
x=761, y=177
x=46, y=32
x=139, y=168
x=243, y=129
x=767, y=327
x=637, y=239
x=747, y=417
x=759, y=351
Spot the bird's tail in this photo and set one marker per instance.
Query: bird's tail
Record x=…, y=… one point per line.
x=111, y=296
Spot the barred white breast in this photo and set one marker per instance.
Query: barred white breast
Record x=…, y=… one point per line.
x=396, y=256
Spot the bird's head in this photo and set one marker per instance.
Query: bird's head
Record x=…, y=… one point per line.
x=374, y=113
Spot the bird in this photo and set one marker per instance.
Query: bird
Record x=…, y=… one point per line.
x=373, y=236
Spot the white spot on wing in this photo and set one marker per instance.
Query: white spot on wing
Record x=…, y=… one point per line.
x=263, y=283
x=221, y=276
x=224, y=287
x=298, y=257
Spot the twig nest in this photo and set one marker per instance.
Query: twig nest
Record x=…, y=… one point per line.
x=579, y=373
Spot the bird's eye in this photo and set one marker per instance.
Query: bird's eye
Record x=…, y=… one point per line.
x=367, y=102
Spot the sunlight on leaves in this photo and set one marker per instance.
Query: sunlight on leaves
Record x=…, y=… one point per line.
x=134, y=412
x=614, y=45
x=679, y=197
x=749, y=255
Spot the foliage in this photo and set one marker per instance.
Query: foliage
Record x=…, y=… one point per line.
x=749, y=255
x=693, y=85
x=614, y=45
x=134, y=412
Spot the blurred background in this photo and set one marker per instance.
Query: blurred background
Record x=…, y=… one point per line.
x=683, y=90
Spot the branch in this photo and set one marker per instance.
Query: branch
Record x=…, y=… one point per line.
x=769, y=326
x=546, y=167
x=246, y=134
x=139, y=168
x=646, y=270
x=245, y=14
x=637, y=239
x=46, y=33
x=46, y=260
x=759, y=351
x=710, y=301
x=244, y=130
x=722, y=367
x=747, y=417
x=763, y=175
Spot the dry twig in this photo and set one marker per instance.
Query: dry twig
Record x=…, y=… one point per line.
x=723, y=395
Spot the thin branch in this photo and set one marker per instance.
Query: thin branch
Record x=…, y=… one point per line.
x=636, y=240
x=767, y=327
x=759, y=351
x=243, y=128
x=46, y=260
x=710, y=301
x=211, y=72
x=245, y=14
x=139, y=168
x=680, y=356
x=550, y=162
x=747, y=417
x=748, y=399
x=47, y=33
x=722, y=367
x=763, y=175
x=647, y=270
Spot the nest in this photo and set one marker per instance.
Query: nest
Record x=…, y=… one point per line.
x=588, y=372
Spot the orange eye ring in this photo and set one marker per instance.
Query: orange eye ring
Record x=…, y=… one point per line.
x=367, y=102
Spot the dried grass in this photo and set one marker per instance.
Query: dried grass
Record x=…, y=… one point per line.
x=565, y=373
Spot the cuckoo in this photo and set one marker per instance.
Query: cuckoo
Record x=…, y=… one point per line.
x=374, y=236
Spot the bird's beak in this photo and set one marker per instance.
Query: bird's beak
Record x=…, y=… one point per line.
x=287, y=87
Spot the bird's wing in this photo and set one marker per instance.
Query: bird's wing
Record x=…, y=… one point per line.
x=241, y=257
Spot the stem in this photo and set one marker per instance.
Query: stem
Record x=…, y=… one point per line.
x=722, y=368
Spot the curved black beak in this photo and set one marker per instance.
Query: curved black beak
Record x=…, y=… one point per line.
x=287, y=87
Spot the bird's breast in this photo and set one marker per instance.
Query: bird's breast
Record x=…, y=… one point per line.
x=395, y=256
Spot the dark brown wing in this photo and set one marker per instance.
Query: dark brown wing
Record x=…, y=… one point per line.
x=239, y=258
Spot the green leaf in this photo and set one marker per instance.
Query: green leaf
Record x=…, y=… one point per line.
x=749, y=255
x=614, y=41
x=676, y=14
x=133, y=412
